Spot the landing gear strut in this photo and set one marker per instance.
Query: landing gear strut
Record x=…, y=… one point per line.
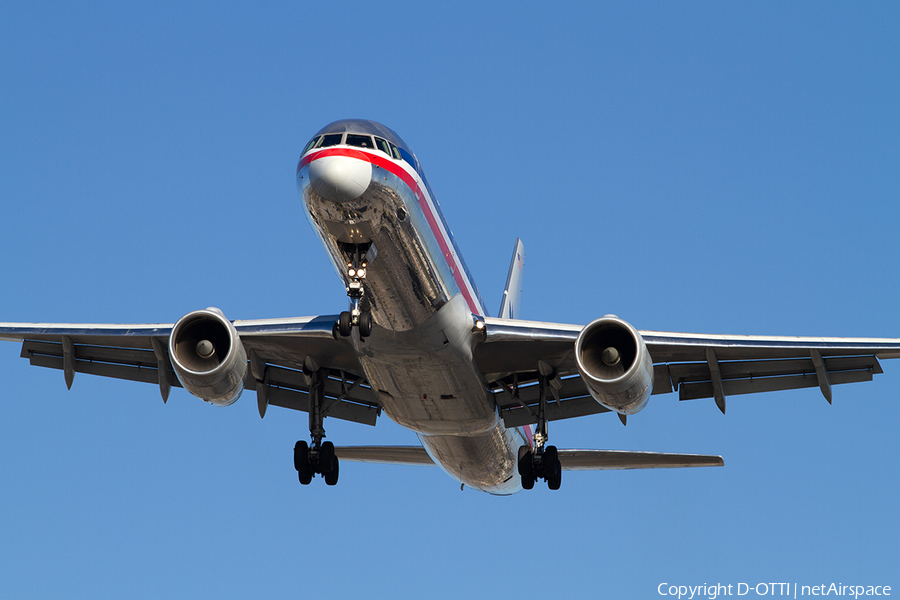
x=542, y=462
x=356, y=316
x=318, y=457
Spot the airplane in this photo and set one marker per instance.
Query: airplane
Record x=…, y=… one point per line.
x=416, y=342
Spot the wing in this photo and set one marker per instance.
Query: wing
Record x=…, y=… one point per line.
x=694, y=365
x=281, y=348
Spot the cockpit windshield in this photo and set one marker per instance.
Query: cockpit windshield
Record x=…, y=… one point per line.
x=360, y=141
x=331, y=139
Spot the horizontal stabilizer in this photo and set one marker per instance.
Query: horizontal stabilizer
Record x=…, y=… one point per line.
x=600, y=460
x=571, y=460
x=388, y=455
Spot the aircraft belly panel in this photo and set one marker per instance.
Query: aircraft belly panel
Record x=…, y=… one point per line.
x=486, y=461
x=426, y=379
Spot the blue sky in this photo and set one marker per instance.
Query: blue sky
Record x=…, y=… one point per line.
x=700, y=167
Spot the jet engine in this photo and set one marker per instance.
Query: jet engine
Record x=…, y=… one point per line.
x=208, y=356
x=615, y=365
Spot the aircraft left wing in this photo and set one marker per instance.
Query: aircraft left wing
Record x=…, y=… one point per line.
x=695, y=365
x=279, y=349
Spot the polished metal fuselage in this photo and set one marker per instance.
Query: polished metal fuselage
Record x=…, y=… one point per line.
x=419, y=356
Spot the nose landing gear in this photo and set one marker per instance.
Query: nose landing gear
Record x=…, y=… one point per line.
x=356, y=316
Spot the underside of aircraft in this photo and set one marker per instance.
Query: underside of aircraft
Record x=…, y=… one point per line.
x=416, y=342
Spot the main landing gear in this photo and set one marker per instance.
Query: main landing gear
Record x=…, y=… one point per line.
x=542, y=462
x=356, y=316
x=318, y=457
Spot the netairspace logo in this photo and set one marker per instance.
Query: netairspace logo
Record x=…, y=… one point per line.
x=793, y=590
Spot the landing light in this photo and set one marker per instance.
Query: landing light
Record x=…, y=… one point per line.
x=351, y=272
x=478, y=325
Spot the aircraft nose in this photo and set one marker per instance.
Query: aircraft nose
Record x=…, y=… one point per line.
x=340, y=178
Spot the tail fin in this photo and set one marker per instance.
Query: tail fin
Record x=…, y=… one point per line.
x=509, y=308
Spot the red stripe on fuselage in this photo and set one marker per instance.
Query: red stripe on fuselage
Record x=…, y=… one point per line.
x=411, y=182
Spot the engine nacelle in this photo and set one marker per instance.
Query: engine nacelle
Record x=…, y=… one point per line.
x=208, y=356
x=615, y=365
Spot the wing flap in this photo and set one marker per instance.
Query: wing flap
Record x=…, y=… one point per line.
x=135, y=365
x=602, y=460
x=339, y=409
x=693, y=380
x=515, y=415
x=693, y=391
x=126, y=372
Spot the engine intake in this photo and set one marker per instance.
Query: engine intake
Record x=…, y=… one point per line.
x=208, y=356
x=615, y=364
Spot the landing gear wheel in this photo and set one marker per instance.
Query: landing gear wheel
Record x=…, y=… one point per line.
x=524, y=456
x=365, y=324
x=305, y=478
x=526, y=467
x=301, y=462
x=554, y=482
x=331, y=477
x=326, y=458
x=527, y=481
x=550, y=462
x=345, y=324
x=301, y=457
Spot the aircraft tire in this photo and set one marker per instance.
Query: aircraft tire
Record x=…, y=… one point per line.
x=527, y=482
x=326, y=458
x=365, y=324
x=554, y=482
x=550, y=462
x=331, y=477
x=526, y=467
x=345, y=324
x=524, y=456
x=301, y=457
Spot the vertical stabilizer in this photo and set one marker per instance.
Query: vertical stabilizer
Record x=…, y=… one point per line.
x=509, y=308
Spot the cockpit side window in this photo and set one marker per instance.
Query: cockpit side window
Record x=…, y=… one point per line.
x=360, y=141
x=383, y=145
x=331, y=139
x=311, y=144
x=395, y=152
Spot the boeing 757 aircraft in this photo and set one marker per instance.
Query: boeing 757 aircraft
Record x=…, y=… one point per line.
x=417, y=343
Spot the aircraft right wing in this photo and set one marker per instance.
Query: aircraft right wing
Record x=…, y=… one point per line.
x=694, y=365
